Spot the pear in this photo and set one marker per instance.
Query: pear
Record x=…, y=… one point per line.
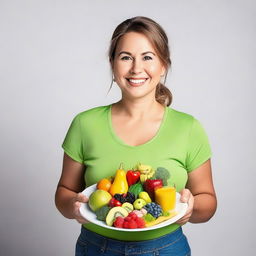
x=119, y=185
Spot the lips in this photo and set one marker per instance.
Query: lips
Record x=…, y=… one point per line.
x=136, y=81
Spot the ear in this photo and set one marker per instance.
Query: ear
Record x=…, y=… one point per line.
x=163, y=70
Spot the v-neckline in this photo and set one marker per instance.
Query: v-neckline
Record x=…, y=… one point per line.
x=120, y=141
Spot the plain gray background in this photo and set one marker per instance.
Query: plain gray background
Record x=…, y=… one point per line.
x=53, y=64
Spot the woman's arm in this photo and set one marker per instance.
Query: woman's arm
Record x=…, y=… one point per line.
x=200, y=195
x=67, y=196
x=200, y=184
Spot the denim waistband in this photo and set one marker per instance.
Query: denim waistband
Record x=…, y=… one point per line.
x=121, y=246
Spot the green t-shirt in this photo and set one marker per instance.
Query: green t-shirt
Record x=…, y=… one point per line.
x=180, y=145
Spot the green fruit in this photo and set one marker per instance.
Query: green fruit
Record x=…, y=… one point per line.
x=128, y=206
x=114, y=213
x=139, y=203
x=145, y=196
x=148, y=217
x=98, y=199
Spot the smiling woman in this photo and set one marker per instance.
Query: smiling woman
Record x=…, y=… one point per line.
x=155, y=49
x=136, y=65
x=140, y=127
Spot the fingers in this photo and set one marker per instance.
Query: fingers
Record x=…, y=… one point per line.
x=186, y=197
x=80, y=198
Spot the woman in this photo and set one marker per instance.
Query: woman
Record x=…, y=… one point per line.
x=138, y=128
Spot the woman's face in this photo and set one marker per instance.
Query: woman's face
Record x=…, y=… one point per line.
x=136, y=67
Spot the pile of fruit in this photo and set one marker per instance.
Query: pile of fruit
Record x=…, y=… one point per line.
x=135, y=198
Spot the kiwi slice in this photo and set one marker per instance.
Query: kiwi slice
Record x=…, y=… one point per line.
x=114, y=213
x=129, y=207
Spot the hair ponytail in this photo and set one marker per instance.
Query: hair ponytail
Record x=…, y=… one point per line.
x=163, y=95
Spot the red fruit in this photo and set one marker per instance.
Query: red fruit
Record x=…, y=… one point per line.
x=119, y=222
x=133, y=215
x=151, y=185
x=140, y=223
x=132, y=224
x=128, y=218
x=113, y=202
x=126, y=224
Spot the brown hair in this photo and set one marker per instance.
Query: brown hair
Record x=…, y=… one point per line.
x=157, y=37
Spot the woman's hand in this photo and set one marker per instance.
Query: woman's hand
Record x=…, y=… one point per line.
x=80, y=198
x=186, y=197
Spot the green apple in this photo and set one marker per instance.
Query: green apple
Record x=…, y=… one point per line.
x=98, y=199
x=139, y=203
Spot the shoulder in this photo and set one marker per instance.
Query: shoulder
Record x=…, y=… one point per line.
x=92, y=118
x=181, y=117
x=185, y=122
x=93, y=113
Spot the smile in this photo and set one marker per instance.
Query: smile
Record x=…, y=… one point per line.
x=136, y=82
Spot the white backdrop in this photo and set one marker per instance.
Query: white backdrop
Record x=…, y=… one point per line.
x=53, y=64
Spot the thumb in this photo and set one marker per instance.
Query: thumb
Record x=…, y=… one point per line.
x=185, y=194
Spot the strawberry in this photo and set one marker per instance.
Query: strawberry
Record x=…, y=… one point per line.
x=132, y=224
x=140, y=223
x=119, y=222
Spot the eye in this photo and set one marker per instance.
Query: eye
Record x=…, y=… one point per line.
x=148, y=58
x=126, y=58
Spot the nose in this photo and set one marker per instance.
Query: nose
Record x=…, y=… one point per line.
x=136, y=67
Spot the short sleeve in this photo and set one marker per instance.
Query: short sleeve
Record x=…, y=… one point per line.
x=73, y=143
x=199, y=149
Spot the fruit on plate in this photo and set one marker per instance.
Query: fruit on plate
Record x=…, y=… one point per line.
x=139, y=203
x=104, y=184
x=146, y=172
x=113, y=202
x=145, y=196
x=126, y=197
x=151, y=185
x=137, y=198
x=128, y=206
x=114, y=213
x=160, y=219
x=166, y=197
x=143, y=168
x=131, y=221
x=140, y=213
x=154, y=209
x=98, y=198
x=119, y=184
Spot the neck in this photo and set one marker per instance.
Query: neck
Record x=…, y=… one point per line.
x=138, y=108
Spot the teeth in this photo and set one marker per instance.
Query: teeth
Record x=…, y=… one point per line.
x=137, y=81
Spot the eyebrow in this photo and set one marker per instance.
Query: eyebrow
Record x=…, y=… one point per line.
x=128, y=53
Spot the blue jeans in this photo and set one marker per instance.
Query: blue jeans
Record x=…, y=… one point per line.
x=92, y=244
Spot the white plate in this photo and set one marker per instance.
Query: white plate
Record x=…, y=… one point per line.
x=87, y=213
